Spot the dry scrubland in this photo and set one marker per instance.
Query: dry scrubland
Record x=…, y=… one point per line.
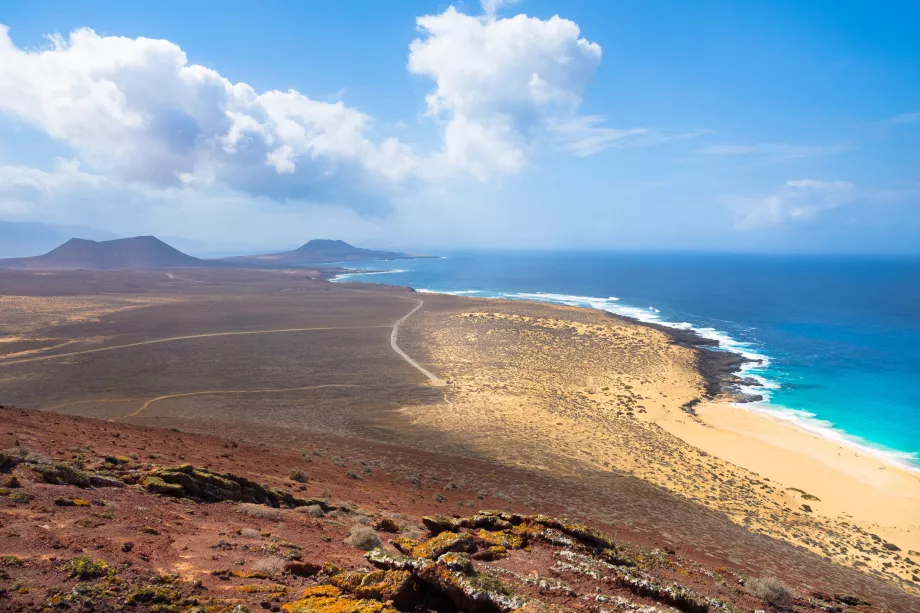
x=550, y=407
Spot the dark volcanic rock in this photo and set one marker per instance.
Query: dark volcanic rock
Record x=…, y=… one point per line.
x=189, y=482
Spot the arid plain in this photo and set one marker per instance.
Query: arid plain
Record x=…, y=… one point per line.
x=551, y=406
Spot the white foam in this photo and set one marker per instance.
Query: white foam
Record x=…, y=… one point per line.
x=356, y=273
x=460, y=292
x=805, y=420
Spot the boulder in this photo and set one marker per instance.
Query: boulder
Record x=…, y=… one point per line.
x=437, y=524
x=438, y=545
x=59, y=473
x=302, y=569
x=101, y=481
x=200, y=483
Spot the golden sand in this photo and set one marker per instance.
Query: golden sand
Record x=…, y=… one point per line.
x=569, y=390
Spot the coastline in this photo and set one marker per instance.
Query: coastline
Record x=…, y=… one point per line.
x=725, y=364
x=821, y=480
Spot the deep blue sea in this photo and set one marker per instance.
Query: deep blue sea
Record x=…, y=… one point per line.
x=839, y=337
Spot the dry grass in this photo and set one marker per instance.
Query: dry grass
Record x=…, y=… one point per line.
x=362, y=537
x=298, y=475
x=771, y=591
x=249, y=533
x=313, y=510
x=260, y=511
x=271, y=565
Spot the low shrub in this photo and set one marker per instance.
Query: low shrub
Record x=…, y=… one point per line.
x=270, y=565
x=771, y=591
x=298, y=475
x=362, y=537
x=260, y=511
x=313, y=510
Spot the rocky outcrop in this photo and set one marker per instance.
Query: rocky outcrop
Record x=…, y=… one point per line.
x=329, y=599
x=202, y=484
x=452, y=576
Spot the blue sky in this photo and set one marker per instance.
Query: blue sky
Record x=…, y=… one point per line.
x=753, y=126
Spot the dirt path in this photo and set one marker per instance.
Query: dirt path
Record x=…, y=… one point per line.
x=432, y=378
x=182, y=338
x=210, y=392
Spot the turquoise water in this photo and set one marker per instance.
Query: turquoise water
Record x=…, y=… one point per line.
x=837, y=338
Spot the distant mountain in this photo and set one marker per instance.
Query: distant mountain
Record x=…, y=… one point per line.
x=27, y=238
x=318, y=251
x=140, y=252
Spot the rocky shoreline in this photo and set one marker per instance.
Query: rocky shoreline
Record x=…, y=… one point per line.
x=718, y=367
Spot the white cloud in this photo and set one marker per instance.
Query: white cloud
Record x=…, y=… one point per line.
x=775, y=152
x=500, y=82
x=793, y=202
x=137, y=110
x=143, y=125
x=584, y=136
x=904, y=119
x=490, y=7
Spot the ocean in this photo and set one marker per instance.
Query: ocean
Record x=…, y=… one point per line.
x=837, y=338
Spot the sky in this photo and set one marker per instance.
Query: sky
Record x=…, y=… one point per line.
x=740, y=126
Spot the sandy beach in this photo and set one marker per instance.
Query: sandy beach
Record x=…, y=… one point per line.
x=850, y=485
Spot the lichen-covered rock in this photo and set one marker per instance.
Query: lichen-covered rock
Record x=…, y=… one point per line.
x=484, y=520
x=577, y=530
x=444, y=542
x=405, y=545
x=386, y=525
x=505, y=538
x=396, y=586
x=490, y=554
x=437, y=524
x=203, y=484
x=386, y=560
x=103, y=481
x=60, y=473
x=156, y=485
x=476, y=593
x=472, y=592
x=9, y=460
x=329, y=599
x=460, y=562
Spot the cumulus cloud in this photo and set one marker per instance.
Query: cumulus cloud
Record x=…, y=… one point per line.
x=144, y=125
x=793, y=202
x=499, y=83
x=137, y=110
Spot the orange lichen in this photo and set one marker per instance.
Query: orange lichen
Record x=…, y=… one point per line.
x=506, y=539
x=329, y=599
x=442, y=543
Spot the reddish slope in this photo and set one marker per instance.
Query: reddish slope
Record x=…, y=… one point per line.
x=178, y=552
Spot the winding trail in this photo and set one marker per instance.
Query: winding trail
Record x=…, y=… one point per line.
x=211, y=392
x=183, y=338
x=432, y=378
